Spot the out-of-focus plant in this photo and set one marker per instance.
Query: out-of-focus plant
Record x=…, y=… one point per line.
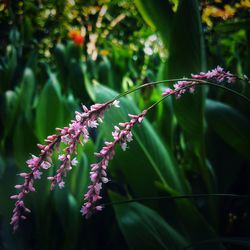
x=45, y=76
x=225, y=12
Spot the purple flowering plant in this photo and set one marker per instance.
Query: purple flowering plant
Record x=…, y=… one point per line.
x=77, y=132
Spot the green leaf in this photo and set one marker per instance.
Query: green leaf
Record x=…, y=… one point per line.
x=193, y=224
x=105, y=74
x=11, y=105
x=27, y=92
x=148, y=153
x=2, y=165
x=9, y=68
x=76, y=80
x=61, y=63
x=73, y=51
x=2, y=116
x=160, y=159
x=24, y=143
x=182, y=36
x=49, y=110
x=143, y=228
x=185, y=58
x=28, y=29
x=158, y=14
x=230, y=124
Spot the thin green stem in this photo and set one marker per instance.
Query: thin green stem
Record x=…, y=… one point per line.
x=244, y=242
x=188, y=196
x=230, y=90
x=196, y=82
x=199, y=84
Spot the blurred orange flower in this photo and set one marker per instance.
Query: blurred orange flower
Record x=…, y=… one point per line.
x=76, y=37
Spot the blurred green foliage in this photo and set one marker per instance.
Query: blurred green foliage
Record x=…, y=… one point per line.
x=199, y=144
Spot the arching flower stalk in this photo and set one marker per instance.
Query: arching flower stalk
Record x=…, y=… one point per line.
x=98, y=176
x=77, y=132
x=71, y=136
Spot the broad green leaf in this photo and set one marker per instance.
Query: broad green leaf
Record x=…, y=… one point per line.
x=76, y=80
x=183, y=38
x=230, y=124
x=68, y=212
x=105, y=74
x=2, y=116
x=49, y=110
x=185, y=58
x=27, y=93
x=196, y=226
x=87, y=82
x=158, y=14
x=2, y=165
x=24, y=143
x=11, y=65
x=61, y=63
x=155, y=152
x=12, y=100
x=186, y=55
x=73, y=51
x=136, y=170
x=143, y=228
x=193, y=224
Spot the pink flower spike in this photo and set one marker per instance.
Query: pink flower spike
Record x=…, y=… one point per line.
x=40, y=146
x=18, y=186
x=92, y=124
x=140, y=119
x=124, y=146
x=33, y=161
x=61, y=157
x=45, y=165
x=14, y=197
x=74, y=162
x=105, y=180
x=98, y=173
x=37, y=174
x=25, y=175
x=218, y=74
x=167, y=91
x=99, y=208
x=61, y=184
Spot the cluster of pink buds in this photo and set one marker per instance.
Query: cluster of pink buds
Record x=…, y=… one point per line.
x=98, y=175
x=180, y=88
x=218, y=74
x=36, y=164
x=71, y=136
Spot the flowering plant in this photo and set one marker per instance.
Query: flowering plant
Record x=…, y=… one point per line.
x=77, y=133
